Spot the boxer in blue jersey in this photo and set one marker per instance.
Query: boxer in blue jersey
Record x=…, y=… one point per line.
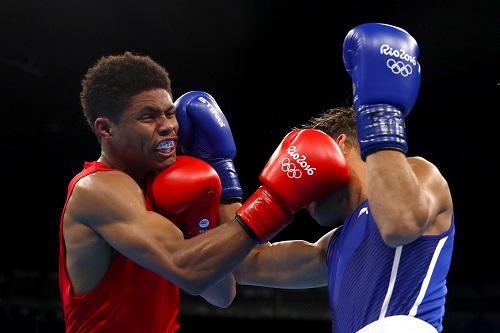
x=386, y=264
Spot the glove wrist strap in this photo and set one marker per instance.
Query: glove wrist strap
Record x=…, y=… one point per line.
x=231, y=188
x=380, y=127
x=263, y=214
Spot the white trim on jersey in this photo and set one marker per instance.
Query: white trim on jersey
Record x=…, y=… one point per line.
x=428, y=275
x=392, y=281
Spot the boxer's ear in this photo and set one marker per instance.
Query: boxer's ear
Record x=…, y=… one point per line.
x=102, y=127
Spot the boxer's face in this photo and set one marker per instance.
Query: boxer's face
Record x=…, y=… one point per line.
x=330, y=210
x=146, y=136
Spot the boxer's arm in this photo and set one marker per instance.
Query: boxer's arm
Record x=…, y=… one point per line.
x=406, y=196
x=227, y=212
x=223, y=293
x=292, y=264
x=113, y=205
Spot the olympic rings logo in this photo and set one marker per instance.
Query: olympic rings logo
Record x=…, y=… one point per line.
x=290, y=169
x=398, y=67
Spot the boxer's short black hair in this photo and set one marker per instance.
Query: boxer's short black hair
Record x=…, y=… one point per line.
x=336, y=121
x=113, y=80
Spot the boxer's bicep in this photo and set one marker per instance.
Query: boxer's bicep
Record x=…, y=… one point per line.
x=113, y=205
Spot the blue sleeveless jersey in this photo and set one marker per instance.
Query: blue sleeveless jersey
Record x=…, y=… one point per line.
x=369, y=280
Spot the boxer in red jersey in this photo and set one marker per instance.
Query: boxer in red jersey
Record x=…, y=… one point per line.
x=121, y=263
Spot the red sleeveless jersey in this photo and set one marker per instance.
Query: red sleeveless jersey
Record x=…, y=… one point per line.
x=129, y=298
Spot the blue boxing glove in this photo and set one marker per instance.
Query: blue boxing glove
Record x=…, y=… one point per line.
x=205, y=133
x=382, y=62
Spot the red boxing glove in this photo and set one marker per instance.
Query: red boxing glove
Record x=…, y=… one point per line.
x=306, y=166
x=187, y=193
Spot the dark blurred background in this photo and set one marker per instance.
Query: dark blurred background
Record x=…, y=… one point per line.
x=270, y=65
